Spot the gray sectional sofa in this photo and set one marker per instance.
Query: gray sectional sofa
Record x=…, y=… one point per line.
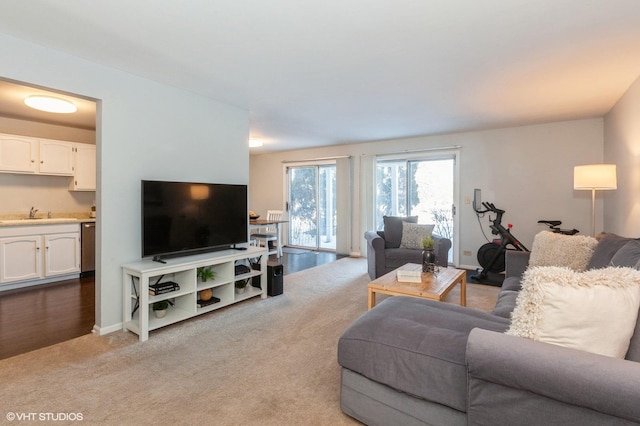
x=419, y=362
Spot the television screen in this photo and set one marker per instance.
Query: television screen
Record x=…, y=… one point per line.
x=186, y=217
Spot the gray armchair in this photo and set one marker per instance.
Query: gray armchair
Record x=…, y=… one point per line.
x=381, y=260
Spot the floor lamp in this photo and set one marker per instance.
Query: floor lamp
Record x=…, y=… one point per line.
x=592, y=177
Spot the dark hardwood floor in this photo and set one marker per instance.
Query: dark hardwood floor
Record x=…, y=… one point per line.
x=45, y=315
x=40, y=316
x=294, y=260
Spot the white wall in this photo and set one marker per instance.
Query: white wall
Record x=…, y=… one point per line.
x=527, y=171
x=145, y=130
x=622, y=147
x=14, y=126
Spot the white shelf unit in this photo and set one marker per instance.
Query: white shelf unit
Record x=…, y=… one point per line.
x=137, y=276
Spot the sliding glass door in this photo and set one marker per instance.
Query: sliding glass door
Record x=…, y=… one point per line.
x=312, y=206
x=420, y=187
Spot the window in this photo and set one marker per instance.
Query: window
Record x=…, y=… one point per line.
x=420, y=187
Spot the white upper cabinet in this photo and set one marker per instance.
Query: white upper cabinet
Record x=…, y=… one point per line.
x=56, y=158
x=18, y=154
x=84, y=174
x=23, y=154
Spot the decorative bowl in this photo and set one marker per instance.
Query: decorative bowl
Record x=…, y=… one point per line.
x=254, y=217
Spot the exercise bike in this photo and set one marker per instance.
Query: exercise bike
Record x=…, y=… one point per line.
x=555, y=227
x=491, y=255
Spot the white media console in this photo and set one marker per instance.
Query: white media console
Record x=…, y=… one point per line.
x=138, y=316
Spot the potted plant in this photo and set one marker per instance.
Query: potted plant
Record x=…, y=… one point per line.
x=428, y=254
x=241, y=285
x=205, y=273
x=160, y=308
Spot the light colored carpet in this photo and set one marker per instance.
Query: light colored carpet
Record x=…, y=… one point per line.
x=267, y=362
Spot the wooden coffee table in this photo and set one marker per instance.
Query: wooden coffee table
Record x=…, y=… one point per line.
x=433, y=286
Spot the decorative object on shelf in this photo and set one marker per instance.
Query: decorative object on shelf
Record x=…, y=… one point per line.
x=162, y=288
x=205, y=273
x=205, y=303
x=428, y=255
x=205, y=295
x=160, y=308
x=241, y=285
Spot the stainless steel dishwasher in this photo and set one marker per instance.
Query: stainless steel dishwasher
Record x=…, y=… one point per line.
x=88, y=255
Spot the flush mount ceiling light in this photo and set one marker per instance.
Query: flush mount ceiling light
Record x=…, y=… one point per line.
x=255, y=143
x=50, y=104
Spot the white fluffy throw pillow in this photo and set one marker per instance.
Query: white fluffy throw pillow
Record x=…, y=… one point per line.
x=572, y=251
x=594, y=311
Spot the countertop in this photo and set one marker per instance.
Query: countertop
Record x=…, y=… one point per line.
x=14, y=220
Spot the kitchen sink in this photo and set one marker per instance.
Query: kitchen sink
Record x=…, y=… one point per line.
x=37, y=220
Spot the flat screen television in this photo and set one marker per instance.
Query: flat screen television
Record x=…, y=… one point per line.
x=180, y=218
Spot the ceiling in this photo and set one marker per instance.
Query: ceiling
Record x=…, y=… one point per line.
x=13, y=94
x=315, y=73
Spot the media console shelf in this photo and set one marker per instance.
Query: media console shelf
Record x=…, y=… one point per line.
x=138, y=316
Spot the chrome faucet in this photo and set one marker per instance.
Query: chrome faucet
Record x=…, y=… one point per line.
x=32, y=213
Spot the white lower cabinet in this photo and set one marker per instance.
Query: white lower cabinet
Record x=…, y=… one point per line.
x=20, y=258
x=61, y=254
x=38, y=253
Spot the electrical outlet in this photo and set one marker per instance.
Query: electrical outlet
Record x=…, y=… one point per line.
x=467, y=252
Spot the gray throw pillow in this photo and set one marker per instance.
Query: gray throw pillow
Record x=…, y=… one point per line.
x=393, y=229
x=413, y=234
x=628, y=255
x=607, y=247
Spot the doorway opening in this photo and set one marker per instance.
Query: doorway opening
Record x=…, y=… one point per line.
x=311, y=206
x=76, y=300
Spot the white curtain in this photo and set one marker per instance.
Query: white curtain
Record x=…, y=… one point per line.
x=367, y=197
x=344, y=189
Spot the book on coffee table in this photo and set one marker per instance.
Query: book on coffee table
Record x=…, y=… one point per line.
x=409, y=274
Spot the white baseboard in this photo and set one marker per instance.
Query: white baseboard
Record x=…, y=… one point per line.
x=31, y=283
x=101, y=331
x=355, y=254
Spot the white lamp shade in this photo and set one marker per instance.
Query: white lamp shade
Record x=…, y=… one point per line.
x=595, y=176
